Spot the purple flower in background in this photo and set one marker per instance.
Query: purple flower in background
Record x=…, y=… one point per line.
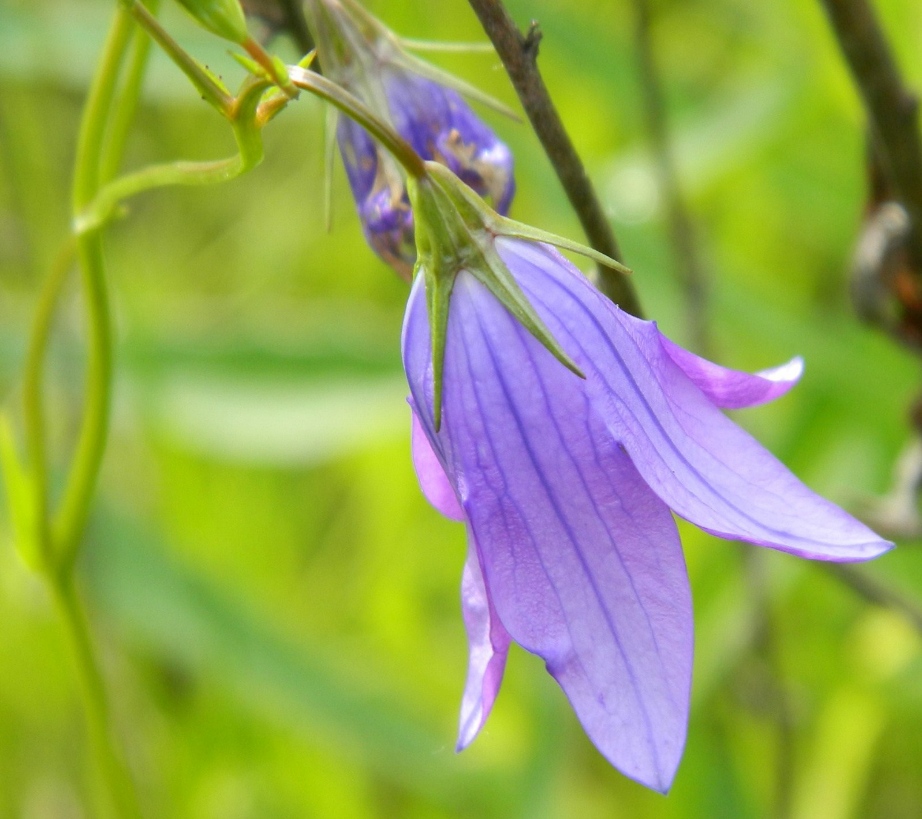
x=566, y=485
x=361, y=54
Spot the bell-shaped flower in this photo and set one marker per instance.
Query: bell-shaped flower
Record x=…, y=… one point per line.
x=422, y=104
x=565, y=477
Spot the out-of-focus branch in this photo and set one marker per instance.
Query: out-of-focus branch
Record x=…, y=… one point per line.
x=283, y=15
x=778, y=699
x=681, y=230
x=890, y=106
x=519, y=55
x=877, y=592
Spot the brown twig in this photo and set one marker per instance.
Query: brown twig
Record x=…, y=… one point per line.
x=890, y=106
x=519, y=55
x=681, y=230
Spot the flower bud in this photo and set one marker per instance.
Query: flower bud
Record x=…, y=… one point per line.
x=360, y=54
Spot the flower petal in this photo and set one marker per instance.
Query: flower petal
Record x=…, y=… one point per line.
x=705, y=467
x=732, y=389
x=488, y=643
x=582, y=560
x=432, y=478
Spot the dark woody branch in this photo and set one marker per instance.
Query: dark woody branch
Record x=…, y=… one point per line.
x=519, y=55
x=890, y=107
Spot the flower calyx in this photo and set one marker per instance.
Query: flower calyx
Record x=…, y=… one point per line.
x=456, y=232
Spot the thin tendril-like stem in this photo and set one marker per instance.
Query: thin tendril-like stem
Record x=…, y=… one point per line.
x=111, y=766
x=33, y=409
x=200, y=78
x=124, y=111
x=69, y=523
x=70, y=520
x=317, y=84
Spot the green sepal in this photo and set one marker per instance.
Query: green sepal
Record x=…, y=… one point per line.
x=250, y=65
x=222, y=17
x=504, y=226
x=517, y=230
x=455, y=232
x=20, y=494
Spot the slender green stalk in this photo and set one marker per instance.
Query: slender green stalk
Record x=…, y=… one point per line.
x=112, y=767
x=33, y=409
x=72, y=514
x=155, y=176
x=97, y=109
x=352, y=107
x=70, y=520
x=204, y=82
x=69, y=523
x=124, y=110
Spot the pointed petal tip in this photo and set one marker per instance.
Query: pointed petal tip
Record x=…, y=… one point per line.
x=863, y=552
x=828, y=553
x=659, y=779
x=465, y=737
x=469, y=725
x=789, y=372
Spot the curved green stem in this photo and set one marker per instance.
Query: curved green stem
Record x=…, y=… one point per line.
x=247, y=133
x=97, y=108
x=70, y=520
x=69, y=523
x=156, y=176
x=72, y=515
x=111, y=767
x=352, y=107
x=204, y=82
x=33, y=409
x=124, y=110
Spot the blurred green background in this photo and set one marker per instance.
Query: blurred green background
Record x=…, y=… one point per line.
x=275, y=604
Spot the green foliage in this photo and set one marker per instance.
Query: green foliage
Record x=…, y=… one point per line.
x=277, y=606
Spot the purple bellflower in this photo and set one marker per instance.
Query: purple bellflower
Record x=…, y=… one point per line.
x=566, y=483
x=422, y=104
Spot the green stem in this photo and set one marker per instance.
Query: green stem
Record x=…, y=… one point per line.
x=33, y=409
x=72, y=514
x=206, y=85
x=243, y=116
x=352, y=107
x=156, y=176
x=111, y=767
x=69, y=523
x=70, y=520
x=97, y=109
x=124, y=111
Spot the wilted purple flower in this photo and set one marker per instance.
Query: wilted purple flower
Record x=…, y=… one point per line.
x=366, y=59
x=566, y=486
